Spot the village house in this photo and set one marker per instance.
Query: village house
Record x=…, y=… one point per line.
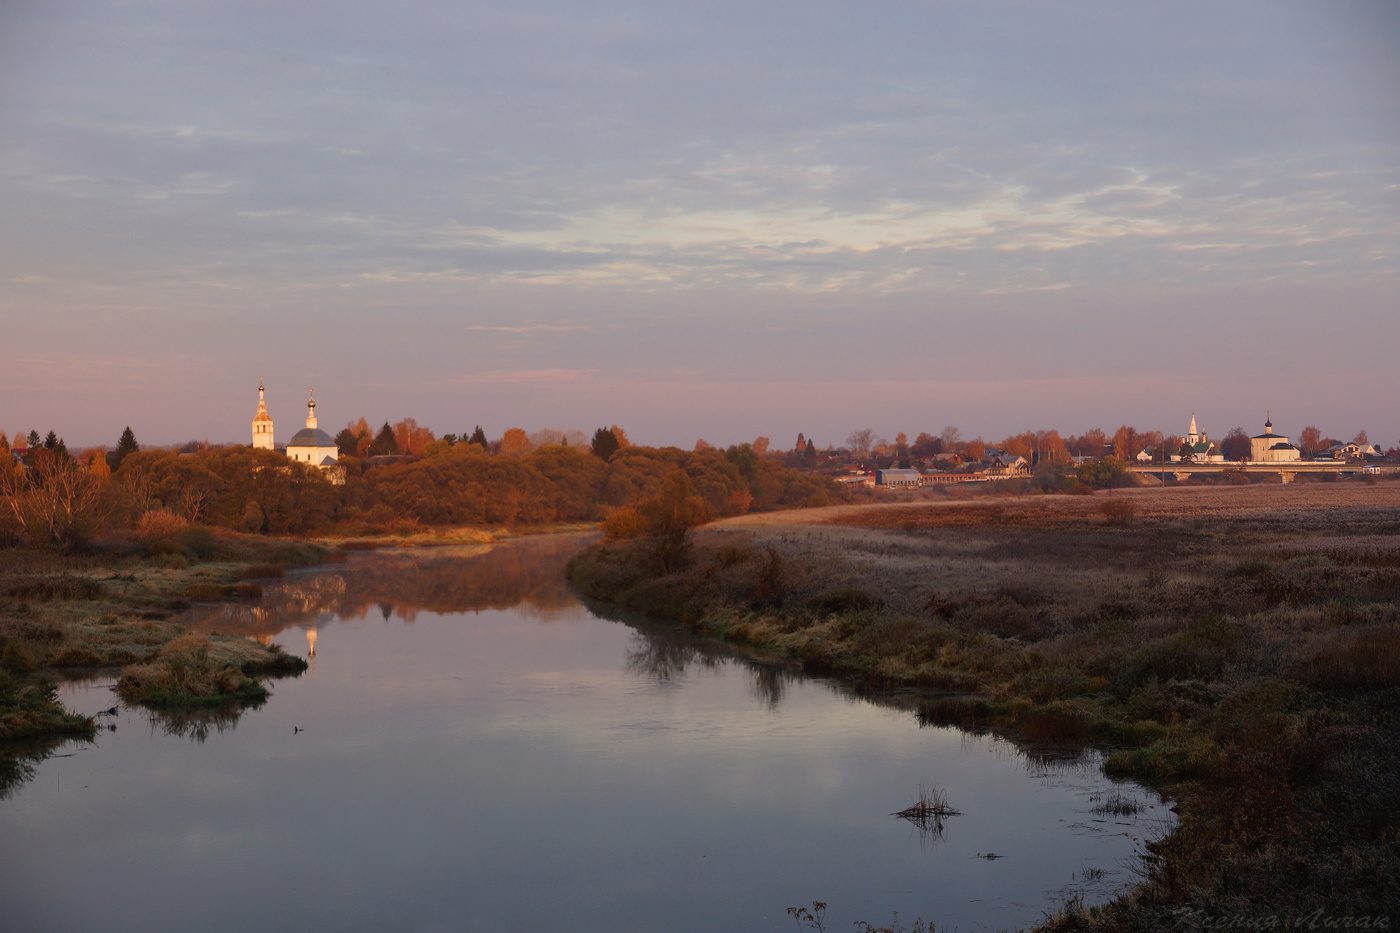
x=1007, y=465
x=1351, y=452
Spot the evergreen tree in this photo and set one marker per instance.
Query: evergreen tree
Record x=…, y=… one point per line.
x=346, y=442
x=450, y=438
x=384, y=443
x=51, y=441
x=34, y=441
x=126, y=445
x=604, y=443
x=479, y=437
x=809, y=454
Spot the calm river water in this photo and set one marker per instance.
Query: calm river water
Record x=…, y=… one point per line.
x=474, y=749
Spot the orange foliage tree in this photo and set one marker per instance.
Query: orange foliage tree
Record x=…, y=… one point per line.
x=515, y=443
x=411, y=438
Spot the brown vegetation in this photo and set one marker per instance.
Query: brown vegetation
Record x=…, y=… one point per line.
x=1239, y=644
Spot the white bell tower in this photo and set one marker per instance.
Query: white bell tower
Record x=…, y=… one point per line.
x=262, y=424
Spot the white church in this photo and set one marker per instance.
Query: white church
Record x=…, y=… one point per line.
x=1203, y=449
x=310, y=445
x=1270, y=447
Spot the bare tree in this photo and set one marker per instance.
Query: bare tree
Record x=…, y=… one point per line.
x=55, y=497
x=951, y=438
x=859, y=442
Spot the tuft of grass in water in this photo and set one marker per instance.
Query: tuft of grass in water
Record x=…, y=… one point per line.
x=930, y=805
x=1114, y=804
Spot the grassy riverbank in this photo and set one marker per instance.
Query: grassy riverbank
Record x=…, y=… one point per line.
x=116, y=606
x=1238, y=646
x=113, y=609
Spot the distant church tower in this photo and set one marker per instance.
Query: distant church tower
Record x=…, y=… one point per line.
x=1193, y=436
x=262, y=423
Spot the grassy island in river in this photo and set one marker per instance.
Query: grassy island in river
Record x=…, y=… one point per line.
x=1238, y=646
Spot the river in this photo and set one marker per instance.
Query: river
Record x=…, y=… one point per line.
x=474, y=749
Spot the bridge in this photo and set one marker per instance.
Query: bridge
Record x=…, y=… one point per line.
x=1287, y=469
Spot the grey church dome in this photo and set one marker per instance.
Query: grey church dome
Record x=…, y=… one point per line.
x=311, y=437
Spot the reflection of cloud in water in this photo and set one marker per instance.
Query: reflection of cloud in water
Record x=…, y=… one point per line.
x=526, y=575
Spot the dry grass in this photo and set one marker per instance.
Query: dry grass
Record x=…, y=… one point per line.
x=197, y=670
x=1233, y=642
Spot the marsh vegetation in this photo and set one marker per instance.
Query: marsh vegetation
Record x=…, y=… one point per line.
x=1239, y=646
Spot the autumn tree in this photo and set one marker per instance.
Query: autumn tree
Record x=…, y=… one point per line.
x=1125, y=443
x=55, y=499
x=1020, y=445
x=622, y=442
x=926, y=446
x=604, y=444
x=701, y=445
x=668, y=517
x=1235, y=446
x=1101, y=473
x=760, y=446
x=410, y=437
x=1361, y=439
x=514, y=443
x=901, y=451
x=1089, y=444
x=1310, y=441
x=950, y=437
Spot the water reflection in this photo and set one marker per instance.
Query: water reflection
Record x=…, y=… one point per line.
x=526, y=575
x=534, y=763
x=19, y=761
x=198, y=724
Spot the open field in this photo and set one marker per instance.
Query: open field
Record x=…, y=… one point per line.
x=1239, y=646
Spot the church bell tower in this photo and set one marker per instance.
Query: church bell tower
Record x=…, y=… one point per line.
x=262, y=424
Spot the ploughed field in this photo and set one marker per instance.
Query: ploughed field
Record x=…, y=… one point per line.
x=1240, y=645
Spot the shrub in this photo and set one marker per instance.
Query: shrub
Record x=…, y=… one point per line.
x=1118, y=511
x=1367, y=659
x=732, y=555
x=624, y=523
x=159, y=531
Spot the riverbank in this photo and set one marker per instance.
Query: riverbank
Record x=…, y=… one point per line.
x=115, y=608
x=1237, y=646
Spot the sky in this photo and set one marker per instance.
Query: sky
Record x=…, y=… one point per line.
x=716, y=220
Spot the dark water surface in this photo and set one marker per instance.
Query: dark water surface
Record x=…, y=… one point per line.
x=481, y=752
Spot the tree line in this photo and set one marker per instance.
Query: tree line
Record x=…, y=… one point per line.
x=54, y=498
